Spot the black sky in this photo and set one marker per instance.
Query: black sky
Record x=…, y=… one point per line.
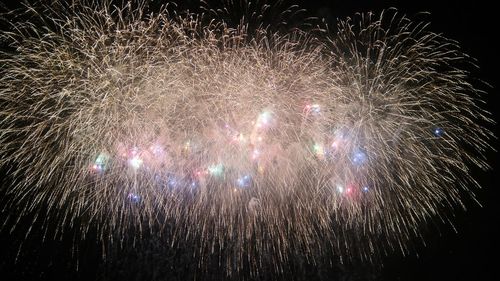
x=470, y=254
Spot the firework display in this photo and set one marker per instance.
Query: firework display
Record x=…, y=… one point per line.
x=247, y=139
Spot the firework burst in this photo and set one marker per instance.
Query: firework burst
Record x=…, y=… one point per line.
x=245, y=138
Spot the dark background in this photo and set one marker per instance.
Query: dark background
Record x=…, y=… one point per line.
x=470, y=253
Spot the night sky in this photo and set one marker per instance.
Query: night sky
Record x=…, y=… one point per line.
x=471, y=253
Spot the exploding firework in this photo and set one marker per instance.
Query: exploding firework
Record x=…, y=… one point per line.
x=249, y=141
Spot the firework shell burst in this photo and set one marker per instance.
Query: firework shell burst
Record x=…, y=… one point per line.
x=243, y=136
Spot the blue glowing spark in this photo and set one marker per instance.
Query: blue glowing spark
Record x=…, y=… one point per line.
x=358, y=157
x=193, y=184
x=134, y=197
x=172, y=182
x=438, y=132
x=244, y=181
